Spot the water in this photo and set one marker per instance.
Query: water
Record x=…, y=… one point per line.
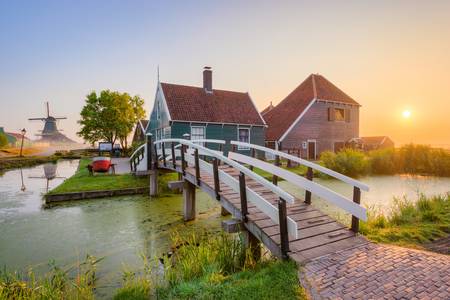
x=119, y=229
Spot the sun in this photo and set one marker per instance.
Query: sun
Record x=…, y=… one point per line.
x=406, y=114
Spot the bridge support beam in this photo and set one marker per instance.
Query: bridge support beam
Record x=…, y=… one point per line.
x=188, y=201
x=252, y=243
x=153, y=175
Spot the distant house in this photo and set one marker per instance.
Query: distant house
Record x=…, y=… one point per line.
x=15, y=139
x=204, y=112
x=368, y=143
x=139, y=132
x=315, y=117
x=267, y=109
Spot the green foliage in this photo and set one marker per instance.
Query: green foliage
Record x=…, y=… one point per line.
x=3, y=140
x=347, y=161
x=82, y=181
x=411, y=223
x=110, y=116
x=76, y=282
x=384, y=161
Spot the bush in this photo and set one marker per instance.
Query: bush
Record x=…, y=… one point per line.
x=347, y=161
x=384, y=161
x=3, y=140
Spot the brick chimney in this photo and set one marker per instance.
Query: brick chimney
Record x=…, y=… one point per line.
x=207, y=79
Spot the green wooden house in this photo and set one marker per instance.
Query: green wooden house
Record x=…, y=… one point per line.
x=205, y=113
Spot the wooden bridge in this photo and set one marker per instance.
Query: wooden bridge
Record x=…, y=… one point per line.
x=287, y=226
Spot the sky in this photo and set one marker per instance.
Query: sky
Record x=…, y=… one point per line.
x=390, y=56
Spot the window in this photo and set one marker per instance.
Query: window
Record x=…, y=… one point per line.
x=167, y=132
x=244, y=137
x=198, y=133
x=158, y=110
x=339, y=114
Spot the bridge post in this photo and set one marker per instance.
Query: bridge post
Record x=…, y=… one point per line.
x=284, y=237
x=216, y=178
x=174, y=158
x=155, y=148
x=277, y=163
x=356, y=199
x=252, y=153
x=188, y=200
x=251, y=242
x=149, y=151
x=243, y=195
x=163, y=148
x=309, y=176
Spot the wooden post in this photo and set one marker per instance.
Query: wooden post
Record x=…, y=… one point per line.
x=289, y=164
x=356, y=199
x=197, y=166
x=277, y=163
x=284, y=237
x=252, y=243
x=164, y=154
x=233, y=148
x=309, y=176
x=155, y=147
x=216, y=178
x=189, y=200
x=183, y=162
x=149, y=151
x=153, y=182
x=243, y=194
x=253, y=155
x=221, y=148
x=174, y=157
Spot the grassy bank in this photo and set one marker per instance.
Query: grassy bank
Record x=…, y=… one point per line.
x=8, y=163
x=214, y=267
x=409, y=159
x=82, y=181
x=411, y=224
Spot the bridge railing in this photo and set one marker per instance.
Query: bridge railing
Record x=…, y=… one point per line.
x=137, y=156
x=277, y=214
x=352, y=206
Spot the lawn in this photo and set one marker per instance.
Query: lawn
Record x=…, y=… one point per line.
x=411, y=224
x=82, y=181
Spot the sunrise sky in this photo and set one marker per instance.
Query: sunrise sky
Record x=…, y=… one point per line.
x=390, y=57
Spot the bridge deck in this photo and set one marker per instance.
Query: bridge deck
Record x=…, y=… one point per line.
x=319, y=234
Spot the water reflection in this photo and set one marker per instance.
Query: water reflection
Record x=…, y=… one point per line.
x=49, y=174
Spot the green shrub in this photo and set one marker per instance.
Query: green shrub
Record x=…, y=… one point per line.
x=384, y=161
x=3, y=140
x=347, y=161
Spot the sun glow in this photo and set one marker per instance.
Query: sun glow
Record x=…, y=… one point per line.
x=406, y=114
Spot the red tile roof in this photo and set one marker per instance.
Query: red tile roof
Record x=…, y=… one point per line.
x=193, y=104
x=267, y=109
x=374, y=140
x=17, y=135
x=282, y=116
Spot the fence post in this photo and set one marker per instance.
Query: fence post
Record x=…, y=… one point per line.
x=197, y=166
x=243, y=195
x=309, y=176
x=163, y=147
x=284, y=237
x=253, y=155
x=356, y=199
x=277, y=163
x=174, y=157
x=216, y=178
x=149, y=151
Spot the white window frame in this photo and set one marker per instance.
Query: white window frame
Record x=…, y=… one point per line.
x=249, y=139
x=204, y=133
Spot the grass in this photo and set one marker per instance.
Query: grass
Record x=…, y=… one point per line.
x=76, y=282
x=213, y=267
x=411, y=224
x=8, y=163
x=82, y=181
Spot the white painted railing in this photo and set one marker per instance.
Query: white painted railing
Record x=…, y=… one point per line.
x=262, y=204
x=306, y=163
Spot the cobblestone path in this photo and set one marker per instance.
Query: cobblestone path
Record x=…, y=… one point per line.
x=375, y=271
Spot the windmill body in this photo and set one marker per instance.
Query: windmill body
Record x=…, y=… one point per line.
x=50, y=133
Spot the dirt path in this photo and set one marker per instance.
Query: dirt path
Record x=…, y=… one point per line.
x=375, y=271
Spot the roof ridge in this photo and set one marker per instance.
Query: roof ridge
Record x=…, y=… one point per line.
x=314, y=86
x=199, y=87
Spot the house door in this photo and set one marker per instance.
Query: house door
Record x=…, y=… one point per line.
x=312, y=150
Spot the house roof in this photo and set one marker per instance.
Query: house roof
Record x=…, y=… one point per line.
x=16, y=135
x=267, y=109
x=374, y=140
x=194, y=104
x=144, y=124
x=315, y=87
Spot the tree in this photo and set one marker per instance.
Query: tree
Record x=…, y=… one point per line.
x=3, y=140
x=110, y=116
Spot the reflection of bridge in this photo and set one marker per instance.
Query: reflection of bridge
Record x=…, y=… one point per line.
x=287, y=226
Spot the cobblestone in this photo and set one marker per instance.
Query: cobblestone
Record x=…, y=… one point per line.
x=375, y=271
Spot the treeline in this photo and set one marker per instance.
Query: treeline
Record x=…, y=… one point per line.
x=409, y=159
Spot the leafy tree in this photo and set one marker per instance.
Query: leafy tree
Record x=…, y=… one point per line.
x=110, y=116
x=3, y=140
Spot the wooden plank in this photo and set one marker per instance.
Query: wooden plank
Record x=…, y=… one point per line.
x=309, y=232
x=319, y=240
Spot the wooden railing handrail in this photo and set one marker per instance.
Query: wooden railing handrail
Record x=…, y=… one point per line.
x=273, y=188
x=307, y=163
x=137, y=150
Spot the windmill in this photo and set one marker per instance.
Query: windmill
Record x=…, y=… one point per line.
x=50, y=133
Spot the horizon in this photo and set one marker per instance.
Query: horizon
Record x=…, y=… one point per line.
x=390, y=57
